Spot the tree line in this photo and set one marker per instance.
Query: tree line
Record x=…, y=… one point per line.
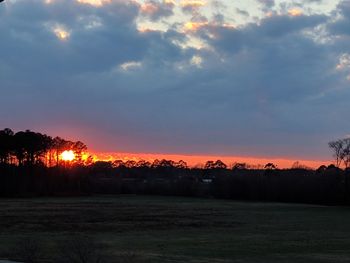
x=31, y=165
x=28, y=148
x=35, y=148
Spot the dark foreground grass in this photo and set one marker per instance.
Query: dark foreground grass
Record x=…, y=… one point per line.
x=168, y=229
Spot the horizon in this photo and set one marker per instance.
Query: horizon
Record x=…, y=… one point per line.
x=200, y=160
x=67, y=152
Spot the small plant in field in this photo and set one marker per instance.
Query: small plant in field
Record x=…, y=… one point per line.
x=80, y=249
x=28, y=250
x=128, y=257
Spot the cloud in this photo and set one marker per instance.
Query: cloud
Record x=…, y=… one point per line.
x=341, y=25
x=267, y=4
x=66, y=37
x=97, y=3
x=130, y=65
x=267, y=87
x=295, y=12
x=156, y=10
x=192, y=6
x=242, y=12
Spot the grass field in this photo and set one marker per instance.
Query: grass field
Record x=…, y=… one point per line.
x=169, y=229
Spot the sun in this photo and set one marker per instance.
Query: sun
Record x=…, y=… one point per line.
x=68, y=156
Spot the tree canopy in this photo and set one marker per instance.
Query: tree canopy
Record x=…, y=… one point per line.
x=29, y=148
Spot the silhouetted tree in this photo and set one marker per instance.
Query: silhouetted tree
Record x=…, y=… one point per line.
x=166, y=164
x=156, y=163
x=130, y=163
x=59, y=145
x=143, y=164
x=215, y=165
x=345, y=155
x=6, y=145
x=321, y=169
x=337, y=148
x=327, y=185
x=239, y=166
x=102, y=165
x=118, y=163
x=79, y=148
x=29, y=147
x=209, y=165
x=270, y=166
x=181, y=165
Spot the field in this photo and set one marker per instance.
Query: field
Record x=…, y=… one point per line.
x=169, y=229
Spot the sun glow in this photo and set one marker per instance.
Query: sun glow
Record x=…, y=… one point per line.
x=295, y=12
x=61, y=33
x=68, y=156
x=194, y=26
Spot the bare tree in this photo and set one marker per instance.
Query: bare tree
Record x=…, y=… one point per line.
x=346, y=152
x=337, y=147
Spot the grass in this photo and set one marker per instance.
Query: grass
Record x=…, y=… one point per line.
x=169, y=229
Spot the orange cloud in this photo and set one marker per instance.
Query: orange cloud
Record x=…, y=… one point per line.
x=151, y=8
x=156, y=10
x=295, y=12
x=192, y=3
x=194, y=26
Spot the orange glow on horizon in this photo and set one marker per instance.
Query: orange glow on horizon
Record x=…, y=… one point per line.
x=68, y=156
x=200, y=160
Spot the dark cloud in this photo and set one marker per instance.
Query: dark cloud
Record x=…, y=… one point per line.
x=267, y=4
x=341, y=26
x=242, y=12
x=31, y=37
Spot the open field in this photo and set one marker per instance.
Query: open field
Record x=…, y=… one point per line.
x=170, y=229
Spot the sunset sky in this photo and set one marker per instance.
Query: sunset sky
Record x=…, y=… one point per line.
x=255, y=78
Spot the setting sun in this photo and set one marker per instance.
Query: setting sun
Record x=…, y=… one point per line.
x=68, y=156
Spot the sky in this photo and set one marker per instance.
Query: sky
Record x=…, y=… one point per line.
x=257, y=78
